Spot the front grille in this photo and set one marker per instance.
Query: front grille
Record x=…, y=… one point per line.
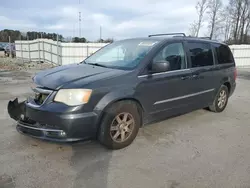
x=40, y=98
x=30, y=131
x=41, y=94
x=46, y=126
x=39, y=130
x=31, y=123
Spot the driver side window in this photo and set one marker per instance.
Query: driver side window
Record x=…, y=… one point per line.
x=173, y=53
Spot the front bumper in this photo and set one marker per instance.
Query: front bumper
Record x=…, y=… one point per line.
x=43, y=133
x=54, y=126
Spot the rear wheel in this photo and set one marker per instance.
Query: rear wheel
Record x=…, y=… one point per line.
x=220, y=100
x=120, y=125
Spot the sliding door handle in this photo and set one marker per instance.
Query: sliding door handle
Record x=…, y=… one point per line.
x=185, y=77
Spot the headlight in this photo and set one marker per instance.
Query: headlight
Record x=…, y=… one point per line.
x=73, y=97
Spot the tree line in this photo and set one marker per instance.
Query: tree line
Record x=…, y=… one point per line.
x=13, y=35
x=83, y=40
x=229, y=22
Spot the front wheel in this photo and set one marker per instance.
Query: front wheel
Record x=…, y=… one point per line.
x=120, y=125
x=220, y=100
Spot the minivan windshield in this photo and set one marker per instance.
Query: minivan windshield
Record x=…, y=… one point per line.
x=125, y=54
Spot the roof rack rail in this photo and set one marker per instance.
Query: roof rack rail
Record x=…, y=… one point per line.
x=154, y=35
x=205, y=38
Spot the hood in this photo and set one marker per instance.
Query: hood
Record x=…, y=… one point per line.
x=58, y=77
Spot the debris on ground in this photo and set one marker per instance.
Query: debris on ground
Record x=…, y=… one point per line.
x=19, y=64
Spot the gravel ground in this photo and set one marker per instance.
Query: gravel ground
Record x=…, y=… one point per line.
x=15, y=64
x=198, y=149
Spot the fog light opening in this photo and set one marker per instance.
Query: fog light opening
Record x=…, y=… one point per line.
x=22, y=117
x=62, y=134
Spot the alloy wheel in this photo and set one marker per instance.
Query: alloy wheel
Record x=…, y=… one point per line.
x=222, y=99
x=122, y=127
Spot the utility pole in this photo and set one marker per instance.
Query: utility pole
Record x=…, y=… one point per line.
x=74, y=31
x=80, y=19
x=100, y=33
x=10, y=47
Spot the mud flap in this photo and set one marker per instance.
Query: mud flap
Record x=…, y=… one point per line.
x=16, y=110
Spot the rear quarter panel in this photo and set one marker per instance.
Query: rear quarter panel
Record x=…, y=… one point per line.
x=223, y=74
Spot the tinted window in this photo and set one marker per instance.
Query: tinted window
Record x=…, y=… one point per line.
x=174, y=54
x=201, y=54
x=223, y=54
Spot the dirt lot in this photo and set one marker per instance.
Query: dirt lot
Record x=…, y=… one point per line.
x=199, y=149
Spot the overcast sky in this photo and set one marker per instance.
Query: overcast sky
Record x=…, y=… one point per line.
x=119, y=19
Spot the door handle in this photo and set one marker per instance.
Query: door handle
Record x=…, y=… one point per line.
x=185, y=77
x=195, y=76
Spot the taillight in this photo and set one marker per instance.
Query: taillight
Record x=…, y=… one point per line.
x=235, y=73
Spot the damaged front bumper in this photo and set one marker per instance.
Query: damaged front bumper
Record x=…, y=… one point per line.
x=46, y=124
x=16, y=110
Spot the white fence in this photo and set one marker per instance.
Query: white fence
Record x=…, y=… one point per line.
x=55, y=52
x=65, y=53
x=241, y=55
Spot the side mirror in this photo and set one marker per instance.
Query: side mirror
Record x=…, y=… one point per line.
x=160, y=66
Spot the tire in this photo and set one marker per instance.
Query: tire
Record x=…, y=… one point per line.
x=215, y=107
x=110, y=120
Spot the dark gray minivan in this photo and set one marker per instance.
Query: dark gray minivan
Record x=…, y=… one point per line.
x=124, y=86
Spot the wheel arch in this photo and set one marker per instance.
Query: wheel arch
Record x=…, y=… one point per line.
x=228, y=85
x=225, y=81
x=141, y=109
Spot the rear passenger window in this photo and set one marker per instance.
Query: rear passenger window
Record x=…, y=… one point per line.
x=223, y=54
x=201, y=54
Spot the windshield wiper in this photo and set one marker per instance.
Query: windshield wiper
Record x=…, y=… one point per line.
x=96, y=64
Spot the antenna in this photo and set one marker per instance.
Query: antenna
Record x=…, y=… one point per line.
x=80, y=19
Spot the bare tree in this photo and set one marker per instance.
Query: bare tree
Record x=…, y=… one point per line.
x=243, y=21
x=225, y=23
x=193, y=29
x=247, y=27
x=236, y=11
x=227, y=28
x=231, y=22
x=214, y=8
x=201, y=8
x=240, y=20
x=236, y=21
